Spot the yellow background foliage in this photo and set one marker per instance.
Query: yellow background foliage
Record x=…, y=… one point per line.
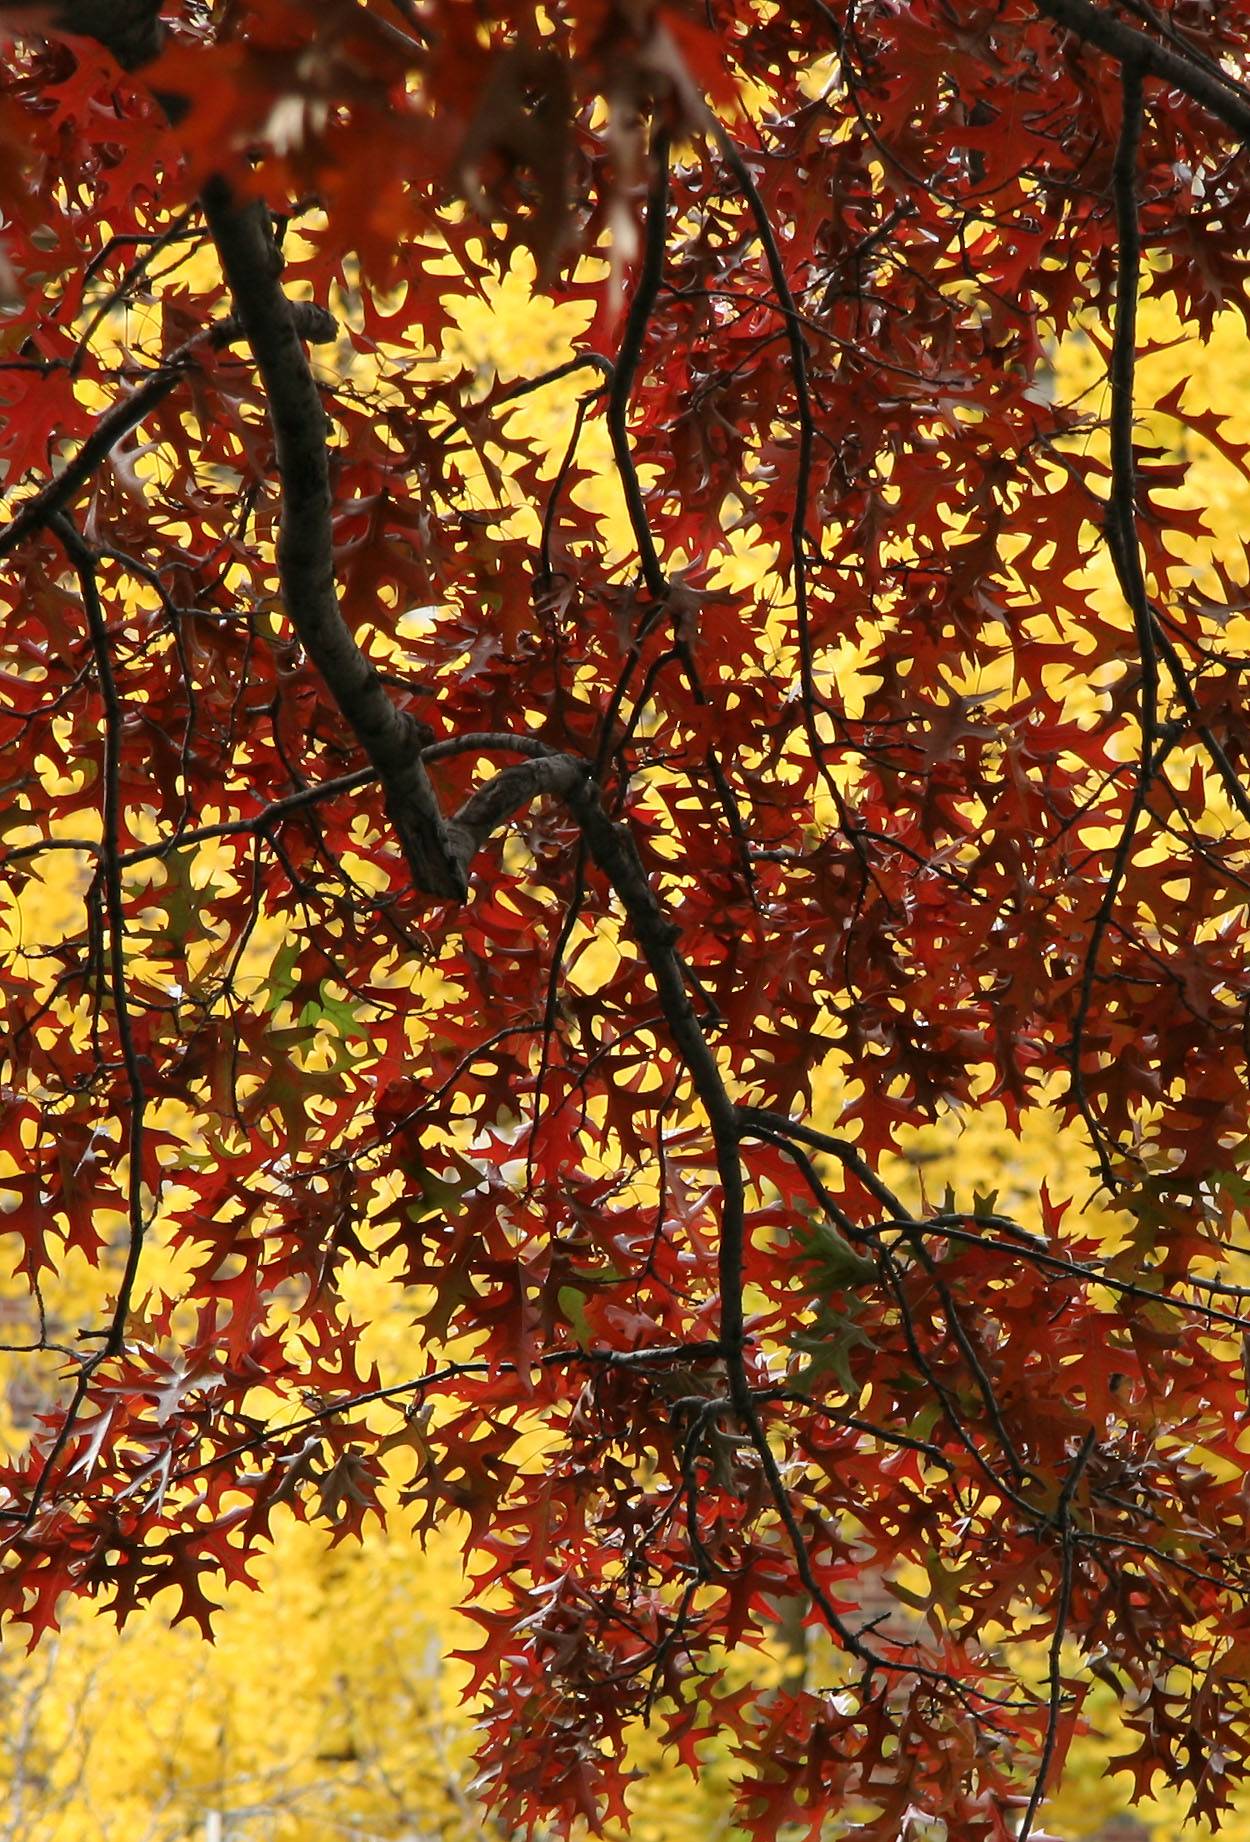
x=326, y=1707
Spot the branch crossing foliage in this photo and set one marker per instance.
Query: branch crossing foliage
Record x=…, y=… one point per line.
x=569, y=908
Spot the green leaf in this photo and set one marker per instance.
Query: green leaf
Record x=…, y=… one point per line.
x=828, y=1345
x=572, y=1303
x=836, y=1264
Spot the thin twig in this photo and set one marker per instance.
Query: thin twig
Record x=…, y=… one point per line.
x=1121, y=531
x=1063, y=1608
x=641, y=308
x=83, y=560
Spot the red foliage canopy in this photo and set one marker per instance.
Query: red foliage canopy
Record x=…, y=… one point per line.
x=916, y=796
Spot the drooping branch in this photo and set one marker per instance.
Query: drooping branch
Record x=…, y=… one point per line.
x=390, y=738
x=796, y=344
x=1201, y=79
x=83, y=561
x=252, y=264
x=612, y=847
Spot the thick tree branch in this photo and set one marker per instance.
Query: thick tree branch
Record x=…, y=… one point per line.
x=504, y=794
x=391, y=739
x=1223, y=96
x=258, y=824
x=131, y=31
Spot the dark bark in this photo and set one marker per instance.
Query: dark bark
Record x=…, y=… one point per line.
x=391, y=739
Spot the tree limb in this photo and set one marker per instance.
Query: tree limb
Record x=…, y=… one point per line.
x=390, y=738
x=505, y=793
x=1224, y=97
x=131, y=31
